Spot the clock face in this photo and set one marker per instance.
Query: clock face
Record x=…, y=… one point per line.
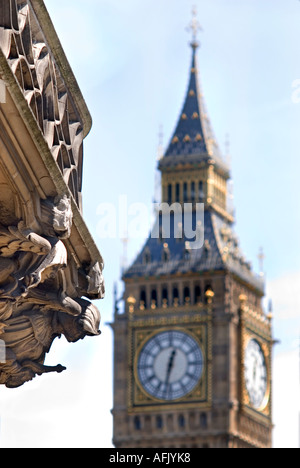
x=255, y=374
x=170, y=365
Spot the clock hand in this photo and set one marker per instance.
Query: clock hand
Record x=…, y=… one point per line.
x=255, y=369
x=170, y=366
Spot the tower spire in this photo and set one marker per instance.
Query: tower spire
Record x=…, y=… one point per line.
x=193, y=140
x=194, y=27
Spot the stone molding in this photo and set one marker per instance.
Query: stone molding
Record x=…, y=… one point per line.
x=47, y=83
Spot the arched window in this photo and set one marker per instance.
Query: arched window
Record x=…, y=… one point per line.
x=203, y=421
x=193, y=192
x=143, y=299
x=181, y=421
x=175, y=296
x=153, y=299
x=137, y=423
x=185, y=192
x=165, y=297
x=187, y=295
x=170, y=194
x=159, y=422
x=177, y=193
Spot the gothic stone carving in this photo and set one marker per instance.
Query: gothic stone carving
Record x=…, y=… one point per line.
x=27, y=52
x=40, y=294
x=48, y=260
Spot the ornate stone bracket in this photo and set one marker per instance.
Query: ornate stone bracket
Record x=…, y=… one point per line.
x=37, y=300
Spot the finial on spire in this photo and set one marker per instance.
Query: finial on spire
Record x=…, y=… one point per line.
x=160, y=151
x=194, y=27
x=261, y=257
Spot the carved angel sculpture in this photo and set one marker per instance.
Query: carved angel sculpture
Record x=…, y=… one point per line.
x=37, y=302
x=29, y=336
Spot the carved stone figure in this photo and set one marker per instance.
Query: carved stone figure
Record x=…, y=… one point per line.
x=62, y=221
x=30, y=334
x=96, y=281
x=34, y=305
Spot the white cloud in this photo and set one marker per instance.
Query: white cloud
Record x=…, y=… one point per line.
x=286, y=397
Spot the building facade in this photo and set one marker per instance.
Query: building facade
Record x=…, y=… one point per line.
x=193, y=346
x=49, y=263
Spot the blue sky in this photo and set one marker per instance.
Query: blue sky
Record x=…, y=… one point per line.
x=131, y=60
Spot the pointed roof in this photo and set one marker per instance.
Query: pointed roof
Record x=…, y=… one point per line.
x=193, y=140
x=220, y=252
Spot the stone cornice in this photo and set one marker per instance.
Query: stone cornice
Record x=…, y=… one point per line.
x=62, y=62
x=51, y=166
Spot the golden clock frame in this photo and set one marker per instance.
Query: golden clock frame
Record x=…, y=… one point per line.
x=256, y=326
x=199, y=327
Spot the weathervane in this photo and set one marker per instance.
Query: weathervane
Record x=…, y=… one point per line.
x=194, y=27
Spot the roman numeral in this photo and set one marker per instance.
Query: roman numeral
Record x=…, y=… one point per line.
x=148, y=380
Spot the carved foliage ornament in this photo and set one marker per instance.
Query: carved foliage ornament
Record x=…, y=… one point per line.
x=40, y=295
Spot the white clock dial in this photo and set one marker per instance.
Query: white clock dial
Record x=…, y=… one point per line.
x=170, y=365
x=255, y=374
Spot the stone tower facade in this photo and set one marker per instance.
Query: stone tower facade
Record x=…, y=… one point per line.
x=192, y=359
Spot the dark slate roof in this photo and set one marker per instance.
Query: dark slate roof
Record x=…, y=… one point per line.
x=220, y=252
x=220, y=249
x=193, y=139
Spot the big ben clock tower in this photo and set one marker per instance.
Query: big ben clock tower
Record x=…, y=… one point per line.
x=193, y=346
